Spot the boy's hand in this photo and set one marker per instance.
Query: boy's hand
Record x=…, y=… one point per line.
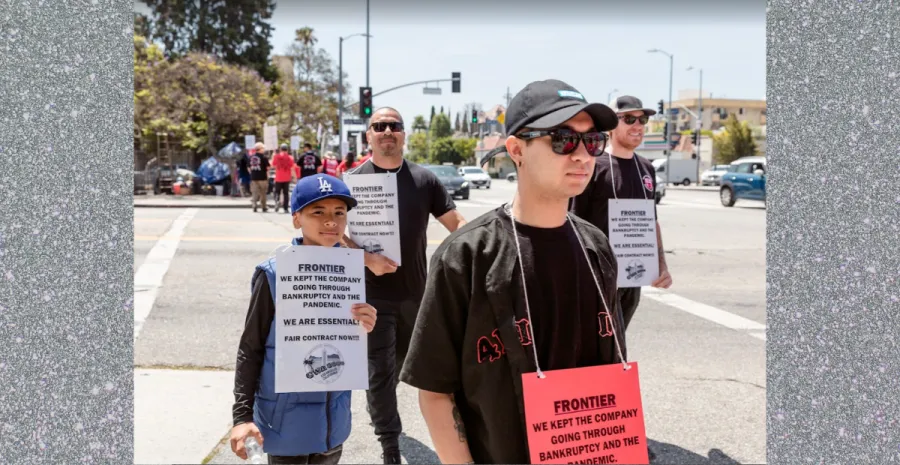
x=239, y=434
x=365, y=314
x=379, y=264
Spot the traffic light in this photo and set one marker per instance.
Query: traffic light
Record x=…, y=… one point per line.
x=474, y=116
x=661, y=107
x=365, y=102
x=695, y=137
x=665, y=130
x=457, y=80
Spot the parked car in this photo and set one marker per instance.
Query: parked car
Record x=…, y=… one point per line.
x=660, y=189
x=454, y=183
x=475, y=176
x=713, y=176
x=745, y=179
x=512, y=177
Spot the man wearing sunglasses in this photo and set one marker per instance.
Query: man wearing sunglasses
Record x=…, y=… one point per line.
x=516, y=286
x=622, y=174
x=397, y=291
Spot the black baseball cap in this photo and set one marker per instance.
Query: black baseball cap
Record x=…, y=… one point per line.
x=548, y=104
x=628, y=103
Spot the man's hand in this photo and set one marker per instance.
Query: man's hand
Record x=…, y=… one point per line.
x=239, y=434
x=379, y=264
x=664, y=281
x=365, y=314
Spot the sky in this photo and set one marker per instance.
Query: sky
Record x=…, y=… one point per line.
x=597, y=47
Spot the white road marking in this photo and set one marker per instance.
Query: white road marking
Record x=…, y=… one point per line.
x=702, y=206
x=707, y=312
x=149, y=277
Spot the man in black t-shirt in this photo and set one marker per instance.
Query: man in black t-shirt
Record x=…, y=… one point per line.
x=259, y=176
x=309, y=162
x=397, y=291
x=633, y=177
x=523, y=288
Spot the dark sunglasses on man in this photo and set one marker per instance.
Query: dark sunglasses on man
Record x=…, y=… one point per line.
x=630, y=119
x=564, y=141
x=381, y=126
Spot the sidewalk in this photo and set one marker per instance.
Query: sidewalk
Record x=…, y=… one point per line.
x=180, y=416
x=194, y=201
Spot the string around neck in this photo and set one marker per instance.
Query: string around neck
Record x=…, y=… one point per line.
x=508, y=209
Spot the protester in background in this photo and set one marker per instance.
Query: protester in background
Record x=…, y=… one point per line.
x=312, y=426
x=623, y=174
x=310, y=163
x=330, y=164
x=259, y=176
x=524, y=288
x=349, y=163
x=243, y=165
x=397, y=292
x=283, y=163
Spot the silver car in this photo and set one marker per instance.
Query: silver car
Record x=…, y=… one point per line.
x=713, y=176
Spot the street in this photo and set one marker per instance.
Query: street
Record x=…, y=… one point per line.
x=700, y=345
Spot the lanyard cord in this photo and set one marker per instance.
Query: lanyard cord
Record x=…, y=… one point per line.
x=612, y=175
x=540, y=373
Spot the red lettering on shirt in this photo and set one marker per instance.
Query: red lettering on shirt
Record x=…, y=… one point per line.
x=605, y=322
x=524, y=327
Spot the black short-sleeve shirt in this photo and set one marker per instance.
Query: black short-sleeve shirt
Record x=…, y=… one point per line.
x=419, y=195
x=634, y=178
x=472, y=337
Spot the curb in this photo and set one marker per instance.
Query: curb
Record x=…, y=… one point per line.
x=186, y=205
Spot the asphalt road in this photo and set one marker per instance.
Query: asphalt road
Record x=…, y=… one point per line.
x=700, y=346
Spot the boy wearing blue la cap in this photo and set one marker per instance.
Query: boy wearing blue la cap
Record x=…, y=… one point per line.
x=300, y=427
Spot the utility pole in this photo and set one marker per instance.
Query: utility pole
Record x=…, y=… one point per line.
x=367, y=45
x=668, y=114
x=508, y=97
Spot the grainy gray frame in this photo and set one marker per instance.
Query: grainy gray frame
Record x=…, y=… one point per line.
x=66, y=238
x=833, y=365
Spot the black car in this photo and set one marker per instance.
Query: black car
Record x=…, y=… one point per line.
x=454, y=183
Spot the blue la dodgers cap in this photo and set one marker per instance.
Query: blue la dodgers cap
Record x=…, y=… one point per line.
x=310, y=189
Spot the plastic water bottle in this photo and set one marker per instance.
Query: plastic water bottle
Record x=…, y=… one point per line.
x=254, y=450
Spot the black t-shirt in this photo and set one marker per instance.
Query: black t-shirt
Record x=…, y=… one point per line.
x=259, y=167
x=309, y=164
x=562, y=297
x=465, y=343
x=419, y=194
x=593, y=204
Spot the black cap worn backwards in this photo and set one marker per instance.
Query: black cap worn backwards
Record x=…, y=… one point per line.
x=548, y=104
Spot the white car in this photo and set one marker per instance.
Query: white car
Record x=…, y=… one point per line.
x=713, y=176
x=660, y=189
x=475, y=176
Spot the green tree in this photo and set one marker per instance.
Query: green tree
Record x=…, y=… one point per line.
x=211, y=102
x=141, y=25
x=317, y=83
x=237, y=31
x=465, y=149
x=440, y=127
x=734, y=142
x=419, y=124
x=456, y=123
x=443, y=150
x=418, y=147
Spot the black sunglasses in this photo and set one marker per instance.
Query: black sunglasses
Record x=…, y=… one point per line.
x=382, y=125
x=565, y=141
x=630, y=119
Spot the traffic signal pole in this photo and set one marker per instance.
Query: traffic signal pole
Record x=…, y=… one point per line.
x=350, y=105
